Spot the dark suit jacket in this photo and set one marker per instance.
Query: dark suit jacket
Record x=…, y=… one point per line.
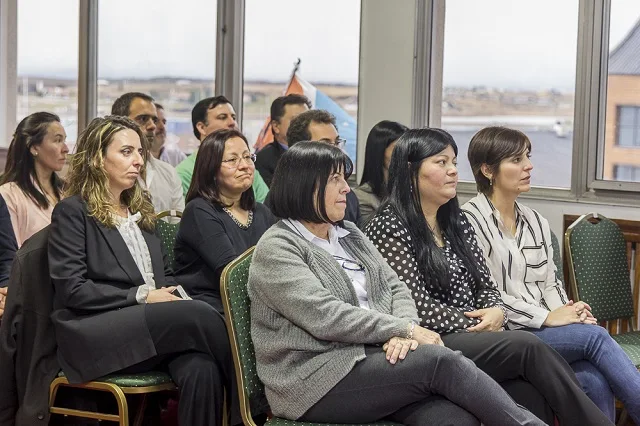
x=8, y=244
x=100, y=327
x=267, y=160
x=28, y=361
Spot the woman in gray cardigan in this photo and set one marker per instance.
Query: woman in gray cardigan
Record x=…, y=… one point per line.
x=335, y=331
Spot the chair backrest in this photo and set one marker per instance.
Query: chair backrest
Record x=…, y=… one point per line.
x=233, y=288
x=557, y=258
x=167, y=232
x=598, y=268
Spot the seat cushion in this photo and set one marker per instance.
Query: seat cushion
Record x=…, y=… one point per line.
x=276, y=421
x=630, y=343
x=150, y=378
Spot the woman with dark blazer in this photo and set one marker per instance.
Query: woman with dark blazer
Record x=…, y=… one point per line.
x=222, y=218
x=114, y=307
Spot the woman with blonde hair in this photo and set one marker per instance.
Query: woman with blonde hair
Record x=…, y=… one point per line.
x=115, y=308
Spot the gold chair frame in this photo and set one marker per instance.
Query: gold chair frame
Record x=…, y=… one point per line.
x=118, y=392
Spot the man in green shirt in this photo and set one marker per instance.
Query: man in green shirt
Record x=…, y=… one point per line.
x=207, y=116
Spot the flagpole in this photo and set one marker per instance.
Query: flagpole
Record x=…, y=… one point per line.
x=296, y=67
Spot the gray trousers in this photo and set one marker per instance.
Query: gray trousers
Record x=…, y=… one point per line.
x=433, y=385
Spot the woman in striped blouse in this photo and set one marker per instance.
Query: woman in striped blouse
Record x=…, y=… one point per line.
x=517, y=247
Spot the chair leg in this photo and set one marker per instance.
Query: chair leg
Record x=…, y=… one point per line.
x=622, y=421
x=141, y=410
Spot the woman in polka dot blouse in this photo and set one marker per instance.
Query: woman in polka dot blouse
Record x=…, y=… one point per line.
x=516, y=242
x=422, y=233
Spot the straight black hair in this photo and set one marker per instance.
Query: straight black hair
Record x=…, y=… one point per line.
x=298, y=187
x=411, y=150
x=380, y=137
x=20, y=167
x=208, y=162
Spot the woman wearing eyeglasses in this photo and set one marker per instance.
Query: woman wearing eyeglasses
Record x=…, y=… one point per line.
x=335, y=331
x=222, y=218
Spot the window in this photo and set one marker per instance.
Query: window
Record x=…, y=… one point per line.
x=626, y=173
x=48, y=61
x=162, y=48
x=619, y=155
x=628, y=126
x=512, y=64
x=328, y=46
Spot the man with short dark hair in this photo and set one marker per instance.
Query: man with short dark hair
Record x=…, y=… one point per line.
x=161, y=181
x=169, y=153
x=283, y=110
x=320, y=126
x=207, y=116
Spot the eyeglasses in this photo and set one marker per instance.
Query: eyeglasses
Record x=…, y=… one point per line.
x=349, y=264
x=235, y=162
x=340, y=142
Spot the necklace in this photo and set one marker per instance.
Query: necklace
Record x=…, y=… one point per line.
x=437, y=235
x=237, y=222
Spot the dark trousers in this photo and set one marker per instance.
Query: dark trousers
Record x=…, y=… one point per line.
x=191, y=342
x=519, y=354
x=433, y=385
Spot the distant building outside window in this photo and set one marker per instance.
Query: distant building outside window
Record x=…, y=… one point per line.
x=627, y=173
x=628, y=126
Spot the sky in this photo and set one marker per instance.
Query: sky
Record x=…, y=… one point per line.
x=496, y=43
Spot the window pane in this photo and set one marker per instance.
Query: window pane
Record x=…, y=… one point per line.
x=513, y=64
x=621, y=152
x=48, y=61
x=163, y=48
x=329, y=50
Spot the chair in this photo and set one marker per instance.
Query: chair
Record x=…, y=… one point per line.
x=167, y=231
x=599, y=275
x=119, y=385
x=557, y=259
x=233, y=287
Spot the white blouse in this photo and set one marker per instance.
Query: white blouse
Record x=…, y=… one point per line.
x=133, y=238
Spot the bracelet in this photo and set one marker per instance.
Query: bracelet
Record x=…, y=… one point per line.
x=410, y=329
x=505, y=316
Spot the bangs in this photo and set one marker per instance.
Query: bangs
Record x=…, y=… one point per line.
x=342, y=163
x=515, y=142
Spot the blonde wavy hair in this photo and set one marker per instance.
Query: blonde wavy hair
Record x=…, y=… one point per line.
x=88, y=178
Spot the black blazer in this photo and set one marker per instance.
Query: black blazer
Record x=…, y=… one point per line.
x=28, y=361
x=267, y=160
x=99, y=325
x=8, y=244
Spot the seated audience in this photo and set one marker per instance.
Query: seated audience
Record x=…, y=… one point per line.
x=222, y=218
x=318, y=125
x=8, y=248
x=425, y=238
x=115, y=308
x=160, y=149
x=373, y=185
x=283, y=110
x=516, y=241
x=333, y=327
x=162, y=180
x=207, y=116
x=30, y=185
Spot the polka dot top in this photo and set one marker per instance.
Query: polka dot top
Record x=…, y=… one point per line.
x=440, y=310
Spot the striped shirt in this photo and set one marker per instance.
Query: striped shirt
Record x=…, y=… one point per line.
x=522, y=265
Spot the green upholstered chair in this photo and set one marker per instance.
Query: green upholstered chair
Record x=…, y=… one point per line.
x=167, y=229
x=233, y=287
x=599, y=275
x=557, y=258
x=119, y=385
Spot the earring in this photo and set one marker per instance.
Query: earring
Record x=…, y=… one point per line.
x=35, y=154
x=490, y=182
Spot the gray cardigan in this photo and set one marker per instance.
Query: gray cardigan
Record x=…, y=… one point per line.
x=307, y=327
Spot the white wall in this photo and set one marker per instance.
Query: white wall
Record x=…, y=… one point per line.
x=386, y=65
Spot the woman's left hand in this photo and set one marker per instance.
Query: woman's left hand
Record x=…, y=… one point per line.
x=398, y=347
x=490, y=319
